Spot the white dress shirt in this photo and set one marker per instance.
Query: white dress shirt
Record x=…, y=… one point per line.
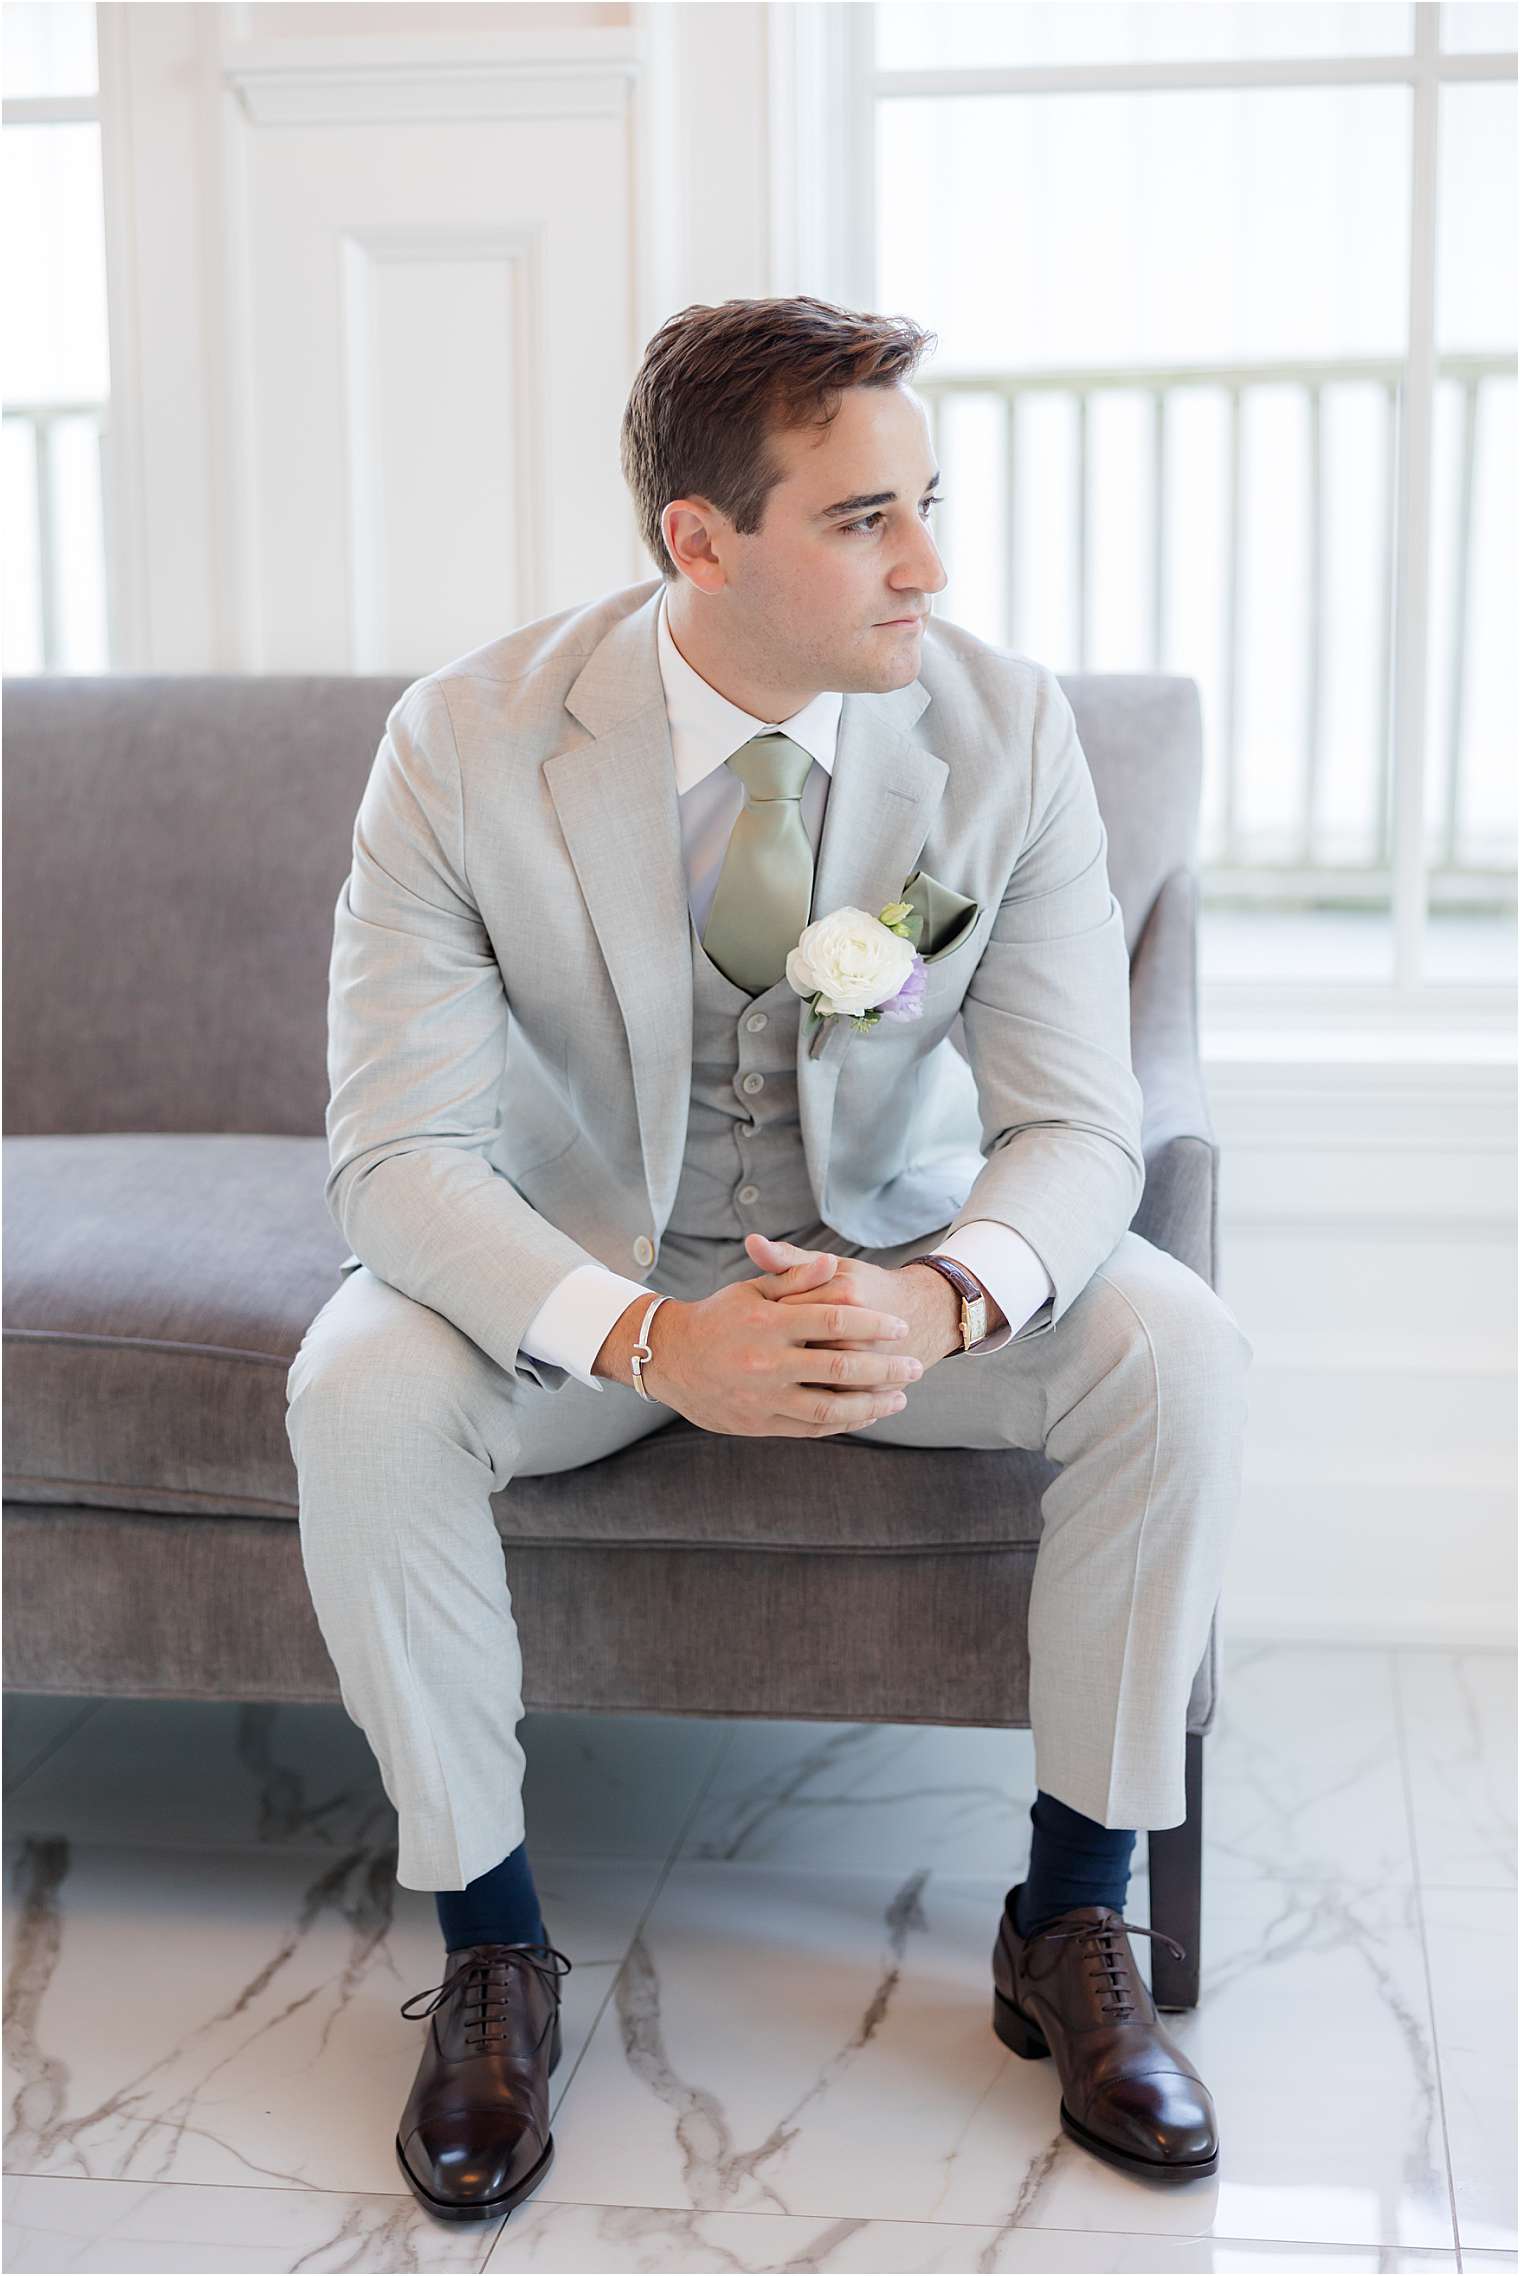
x=575, y=1319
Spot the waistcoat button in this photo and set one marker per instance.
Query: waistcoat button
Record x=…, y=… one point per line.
x=643, y=1249
x=755, y=1022
x=749, y=1193
x=753, y=1083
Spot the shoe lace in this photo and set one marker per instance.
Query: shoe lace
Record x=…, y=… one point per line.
x=1115, y=1991
x=481, y=1983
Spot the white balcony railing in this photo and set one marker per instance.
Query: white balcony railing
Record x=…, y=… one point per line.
x=57, y=642
x=1236, y=871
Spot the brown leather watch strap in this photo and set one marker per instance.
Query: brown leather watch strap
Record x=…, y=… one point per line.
x=973, y=1298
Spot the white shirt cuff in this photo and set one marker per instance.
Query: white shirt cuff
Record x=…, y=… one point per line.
x=575, y=1319
x=1007, y=1268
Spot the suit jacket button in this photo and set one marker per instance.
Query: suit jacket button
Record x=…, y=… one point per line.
x=643, y=1250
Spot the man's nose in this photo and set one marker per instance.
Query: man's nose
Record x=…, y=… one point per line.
x=933, y=578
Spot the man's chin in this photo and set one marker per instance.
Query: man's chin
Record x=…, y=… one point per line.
x=882, y=674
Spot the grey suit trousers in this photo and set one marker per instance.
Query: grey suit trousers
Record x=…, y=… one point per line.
x=401, y=1428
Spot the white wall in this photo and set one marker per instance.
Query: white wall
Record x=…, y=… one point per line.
x=382, y=277
x=1367, y=1239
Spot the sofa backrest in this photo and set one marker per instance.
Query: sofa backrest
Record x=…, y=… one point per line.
x=174, y=849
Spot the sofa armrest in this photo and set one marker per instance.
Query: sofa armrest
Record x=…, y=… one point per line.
x=1179, y=1209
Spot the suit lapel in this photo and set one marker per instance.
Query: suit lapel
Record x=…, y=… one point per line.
x=617, y=805
x=882, y=801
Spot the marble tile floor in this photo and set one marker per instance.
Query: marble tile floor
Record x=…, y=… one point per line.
x=778, y=2052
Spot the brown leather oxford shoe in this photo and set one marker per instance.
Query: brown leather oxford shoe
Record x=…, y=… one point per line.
x=1128, y=2093
x=474, y=2137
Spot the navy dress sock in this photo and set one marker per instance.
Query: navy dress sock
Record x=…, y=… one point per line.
x=1072, y=1861
x=499, y=1907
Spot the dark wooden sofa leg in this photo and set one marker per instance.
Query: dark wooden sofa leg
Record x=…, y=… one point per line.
x=1176, y=1867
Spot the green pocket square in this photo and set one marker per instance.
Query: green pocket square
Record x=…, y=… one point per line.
x=947, y=916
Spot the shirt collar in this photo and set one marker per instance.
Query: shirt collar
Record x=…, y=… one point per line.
x=706, y=729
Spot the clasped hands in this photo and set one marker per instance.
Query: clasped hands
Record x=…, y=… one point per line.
x=925, y=1300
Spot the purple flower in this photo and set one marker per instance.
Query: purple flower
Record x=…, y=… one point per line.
x=908, y=1002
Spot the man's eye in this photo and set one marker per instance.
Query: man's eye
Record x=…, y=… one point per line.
x=880, y=517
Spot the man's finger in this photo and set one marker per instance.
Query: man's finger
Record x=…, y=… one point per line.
x=814, y=1266
x=819, y=1267
x=786, y=1251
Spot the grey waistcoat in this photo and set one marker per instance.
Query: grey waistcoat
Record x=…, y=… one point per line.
x=743, y=1169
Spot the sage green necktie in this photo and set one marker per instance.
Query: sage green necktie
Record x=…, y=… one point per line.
x=765, y=887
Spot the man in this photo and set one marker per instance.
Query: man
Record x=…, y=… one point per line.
x=616, y=824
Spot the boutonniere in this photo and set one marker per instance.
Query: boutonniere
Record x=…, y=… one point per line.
x=851, y=965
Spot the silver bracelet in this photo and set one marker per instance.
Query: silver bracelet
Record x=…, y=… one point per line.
x=641, y=1353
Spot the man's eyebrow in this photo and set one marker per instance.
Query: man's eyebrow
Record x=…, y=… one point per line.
x=877, y=498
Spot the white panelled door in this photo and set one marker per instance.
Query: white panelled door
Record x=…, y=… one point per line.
x=431, y=340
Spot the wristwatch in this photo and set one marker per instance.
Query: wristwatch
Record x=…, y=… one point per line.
x=973, y=1301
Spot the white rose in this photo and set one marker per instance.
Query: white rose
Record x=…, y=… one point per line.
x=852, y=959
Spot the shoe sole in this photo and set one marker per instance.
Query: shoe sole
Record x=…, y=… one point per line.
x=487, y=2209
x=1016, y=2031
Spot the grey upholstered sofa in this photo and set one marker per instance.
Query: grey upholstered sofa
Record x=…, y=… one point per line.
x=173, y=851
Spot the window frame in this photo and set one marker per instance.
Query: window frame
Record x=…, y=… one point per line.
x=824, y=70
x=122, y=483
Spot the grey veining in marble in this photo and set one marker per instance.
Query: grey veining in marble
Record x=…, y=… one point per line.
x=778, y=2050
x=714, y=2171
x=120, y=2228
x=232, y=2017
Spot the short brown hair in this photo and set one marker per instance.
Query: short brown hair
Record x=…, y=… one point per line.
x=715, y=384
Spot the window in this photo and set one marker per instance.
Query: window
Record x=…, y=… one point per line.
x=56, y=373
x=1225, y=386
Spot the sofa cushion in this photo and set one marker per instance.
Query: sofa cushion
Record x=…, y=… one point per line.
x=157, y=1289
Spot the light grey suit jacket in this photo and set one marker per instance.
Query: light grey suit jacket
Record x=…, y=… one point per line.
x=509, y=1013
